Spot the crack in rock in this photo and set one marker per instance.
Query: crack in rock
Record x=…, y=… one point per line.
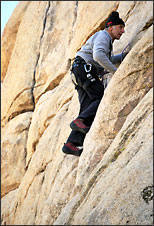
x=38, y=56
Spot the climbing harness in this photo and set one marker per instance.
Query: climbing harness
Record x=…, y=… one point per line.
x=88, y=68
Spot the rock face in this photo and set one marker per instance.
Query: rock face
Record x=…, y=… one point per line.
x=111, y=182
x=9, y=36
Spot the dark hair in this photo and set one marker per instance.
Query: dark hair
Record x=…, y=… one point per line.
x=114, y=19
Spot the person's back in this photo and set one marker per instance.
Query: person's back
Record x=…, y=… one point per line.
x=100, y=41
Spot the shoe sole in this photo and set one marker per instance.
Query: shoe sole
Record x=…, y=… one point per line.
x=76, y=128
x=69, y=152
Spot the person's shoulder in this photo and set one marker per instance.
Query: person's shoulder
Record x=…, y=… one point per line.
x=101, y=34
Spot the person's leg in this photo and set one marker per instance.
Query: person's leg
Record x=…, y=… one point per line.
x=74, y=143
x=78, y=124
x=76, y=138
x=90, y=93
x=70, y=149
x=90, y=111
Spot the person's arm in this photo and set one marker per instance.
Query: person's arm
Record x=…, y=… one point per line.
x=100, y=52
x=119, y=58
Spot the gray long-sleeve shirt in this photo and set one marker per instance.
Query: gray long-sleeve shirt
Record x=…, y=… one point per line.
x=97, y=51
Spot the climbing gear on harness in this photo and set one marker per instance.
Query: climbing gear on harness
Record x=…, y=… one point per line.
x=89, y=76
x=106, y=79
x=78, y=60
x=88, y=68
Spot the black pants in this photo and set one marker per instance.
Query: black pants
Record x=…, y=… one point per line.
x=90, y=92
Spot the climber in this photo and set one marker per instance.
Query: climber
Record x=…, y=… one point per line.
x=92, y=61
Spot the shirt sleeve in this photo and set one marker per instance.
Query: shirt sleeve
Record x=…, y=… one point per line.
x=117, y=58
x=100, y=53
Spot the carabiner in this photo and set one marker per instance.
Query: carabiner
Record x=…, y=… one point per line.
x=87, y=67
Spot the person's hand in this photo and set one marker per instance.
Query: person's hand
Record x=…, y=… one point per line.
x=126, y=50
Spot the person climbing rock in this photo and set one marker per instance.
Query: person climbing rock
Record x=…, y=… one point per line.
x=91, y=63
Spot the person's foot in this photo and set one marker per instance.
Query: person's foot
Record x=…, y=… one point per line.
x=71, y=149
x=78, y=125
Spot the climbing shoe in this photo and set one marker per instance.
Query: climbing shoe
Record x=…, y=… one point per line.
x=78, y=125
x=71, y=149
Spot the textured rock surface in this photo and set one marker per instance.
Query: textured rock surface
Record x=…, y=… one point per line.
x=108, y=183
x=20, y=77
x=112, y=194
x=14, y=146
x=9, y=36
